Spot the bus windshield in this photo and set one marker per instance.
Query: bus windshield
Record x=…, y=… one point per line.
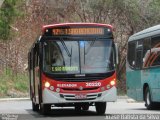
x=80, y=56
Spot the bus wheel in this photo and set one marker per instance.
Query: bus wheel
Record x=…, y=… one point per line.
x=45, y=109
x=85, y=107
x=35, y=107
x=148, y=102
x=100, y=107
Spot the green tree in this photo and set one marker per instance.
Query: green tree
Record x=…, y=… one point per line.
x=8, y=13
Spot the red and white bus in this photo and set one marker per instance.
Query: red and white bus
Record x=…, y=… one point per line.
x=73, y=64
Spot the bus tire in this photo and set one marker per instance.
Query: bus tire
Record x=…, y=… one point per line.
x=100, y=107
x=45, y=109
x=35, y=107
x=148, y=101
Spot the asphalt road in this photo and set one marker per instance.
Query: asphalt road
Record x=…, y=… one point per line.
x=21, y=110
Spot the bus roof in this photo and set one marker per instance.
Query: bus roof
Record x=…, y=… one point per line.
x=152, y=31
x=75, y=24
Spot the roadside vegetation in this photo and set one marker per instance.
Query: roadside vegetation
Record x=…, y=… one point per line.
x=13, y=86
x=21, y=22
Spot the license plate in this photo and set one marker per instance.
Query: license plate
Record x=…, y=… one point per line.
x=80, y=96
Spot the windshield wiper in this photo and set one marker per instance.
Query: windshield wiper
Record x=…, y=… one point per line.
x=71, y=56
x=67, y=51
x=65, y=47
x=90, y=46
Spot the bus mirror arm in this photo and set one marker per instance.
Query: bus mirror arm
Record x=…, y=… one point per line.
x=117, y=55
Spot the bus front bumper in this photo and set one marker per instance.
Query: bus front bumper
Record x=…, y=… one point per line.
x=50, y=97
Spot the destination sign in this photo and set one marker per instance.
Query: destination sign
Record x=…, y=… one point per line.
x=78, y=31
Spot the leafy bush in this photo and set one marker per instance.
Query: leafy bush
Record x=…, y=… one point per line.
x=13, y=86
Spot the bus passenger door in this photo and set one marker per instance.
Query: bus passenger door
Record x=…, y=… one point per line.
x=32, y=83
x=30, y=69
x=154, y=70
x=36, y=75
x=133, y=71
x=138, y=74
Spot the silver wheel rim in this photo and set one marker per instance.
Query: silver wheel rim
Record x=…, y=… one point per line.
x=148, y=99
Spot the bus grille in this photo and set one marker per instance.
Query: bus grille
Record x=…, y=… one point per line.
x=73, y=97
x=77, y=89
x=85, y=79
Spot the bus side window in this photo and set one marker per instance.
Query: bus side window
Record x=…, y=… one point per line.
x=36, y=56
x=131, y=53
x=36, y=59
x=138, y=62
x=139, y=49
x=146, y=52
x=155, y=50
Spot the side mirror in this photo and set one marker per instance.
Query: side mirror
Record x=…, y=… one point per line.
x=117, y=56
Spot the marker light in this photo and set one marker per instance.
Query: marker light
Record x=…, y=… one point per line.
x=108, y=86
x=52, y=88
x=58, y=90
x=102, y=88
x=112, y=82
x=47, y=84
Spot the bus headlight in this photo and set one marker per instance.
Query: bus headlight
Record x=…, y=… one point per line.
x=47, y=84
x=112, y=82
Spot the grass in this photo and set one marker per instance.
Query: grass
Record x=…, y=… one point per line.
x=13, y=85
